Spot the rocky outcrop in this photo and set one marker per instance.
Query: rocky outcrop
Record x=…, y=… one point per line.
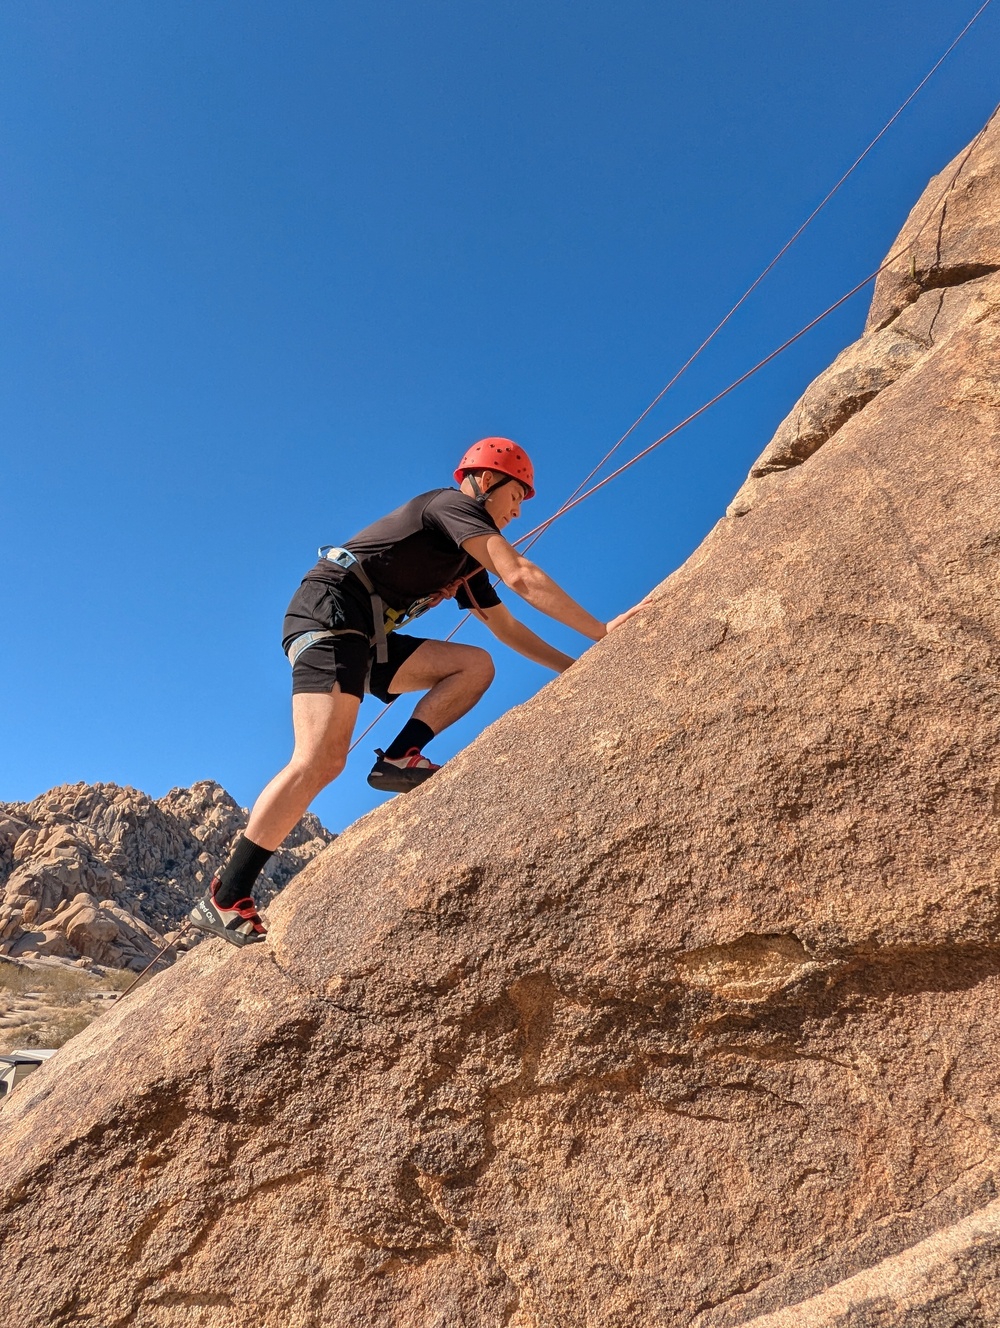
x=105, y=873
x=951, y=237
x=943, y=275
x=695, y=1026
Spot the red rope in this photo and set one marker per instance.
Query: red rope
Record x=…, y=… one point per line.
x=773, y=263
x=534, y=535
x=155, y=959
x=581, y=492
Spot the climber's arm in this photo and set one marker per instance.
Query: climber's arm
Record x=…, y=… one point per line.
x=506, y=628
x=528, y=580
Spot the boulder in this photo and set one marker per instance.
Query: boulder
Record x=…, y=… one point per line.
x=88, y=927
x=48, y=941
x=695, y=1026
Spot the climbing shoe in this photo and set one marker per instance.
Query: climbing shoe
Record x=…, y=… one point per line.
x=239, y=924
x=399, y=774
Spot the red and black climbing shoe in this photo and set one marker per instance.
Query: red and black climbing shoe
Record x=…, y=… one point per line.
x=399, y=774
x=239, y=924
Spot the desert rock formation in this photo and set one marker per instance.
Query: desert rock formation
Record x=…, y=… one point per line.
x=941, y=277
x=105, y=873
x=695, y=1027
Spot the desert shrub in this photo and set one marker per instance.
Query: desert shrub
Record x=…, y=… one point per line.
x=117, y=979
x=51, y=1032
x=63, y=986
x=55, y=985
x=14, y=979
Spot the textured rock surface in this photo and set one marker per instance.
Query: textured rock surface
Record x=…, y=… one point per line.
x=953, y=233
x=945, y=275
x=105, y=873
x=694, y=1027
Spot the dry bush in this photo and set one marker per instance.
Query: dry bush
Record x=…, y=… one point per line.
x=117, y=979
x=52, y=1032
x=62, y=986
x=14, y=980
x=57, y=985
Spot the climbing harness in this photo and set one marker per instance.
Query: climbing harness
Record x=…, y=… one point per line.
x=308, y=639
x=395, y=618
x=345, y=558
x=384, y=618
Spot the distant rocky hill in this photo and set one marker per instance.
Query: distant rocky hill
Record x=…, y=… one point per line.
x=106, y=873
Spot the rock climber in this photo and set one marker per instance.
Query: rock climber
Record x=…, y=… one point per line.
x=339, y=635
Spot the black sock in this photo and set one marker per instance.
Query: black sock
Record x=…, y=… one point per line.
x=414, y=733
x=236, y=880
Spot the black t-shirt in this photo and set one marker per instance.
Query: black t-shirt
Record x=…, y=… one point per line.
x=416, y=551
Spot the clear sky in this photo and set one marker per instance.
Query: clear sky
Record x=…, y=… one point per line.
x=268, y=267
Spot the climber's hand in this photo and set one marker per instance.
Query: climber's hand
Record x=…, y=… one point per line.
x=630, y=613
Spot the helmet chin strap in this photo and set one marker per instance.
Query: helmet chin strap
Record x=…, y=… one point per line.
x=480, y=495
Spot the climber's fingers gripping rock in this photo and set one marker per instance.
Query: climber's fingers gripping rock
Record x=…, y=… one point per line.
x=643, y=604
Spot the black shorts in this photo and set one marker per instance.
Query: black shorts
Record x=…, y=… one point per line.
x=349, y=660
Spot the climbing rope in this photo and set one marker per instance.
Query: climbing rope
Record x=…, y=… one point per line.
x=533, y=535
x=581, y=492
x=772, y=264
x=185, y=927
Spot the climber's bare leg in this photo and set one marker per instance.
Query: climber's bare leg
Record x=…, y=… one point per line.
x=453, y=676
x=323, y=724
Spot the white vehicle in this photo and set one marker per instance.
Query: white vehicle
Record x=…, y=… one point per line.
x=17, y=1065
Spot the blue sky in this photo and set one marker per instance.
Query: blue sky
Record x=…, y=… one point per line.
x=268, y=268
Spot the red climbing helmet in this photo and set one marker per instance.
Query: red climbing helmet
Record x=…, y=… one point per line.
x=501, y=455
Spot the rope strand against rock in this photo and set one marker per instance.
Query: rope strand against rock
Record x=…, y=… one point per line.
x=536, y=533
x=155, y=959
x=774, y=261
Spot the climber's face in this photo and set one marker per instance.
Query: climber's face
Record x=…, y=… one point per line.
x=504, y=504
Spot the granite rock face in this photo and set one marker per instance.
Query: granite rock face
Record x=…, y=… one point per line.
x=695, y=1027
x=105, y=873
x=952, y=235
x=943, y=274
